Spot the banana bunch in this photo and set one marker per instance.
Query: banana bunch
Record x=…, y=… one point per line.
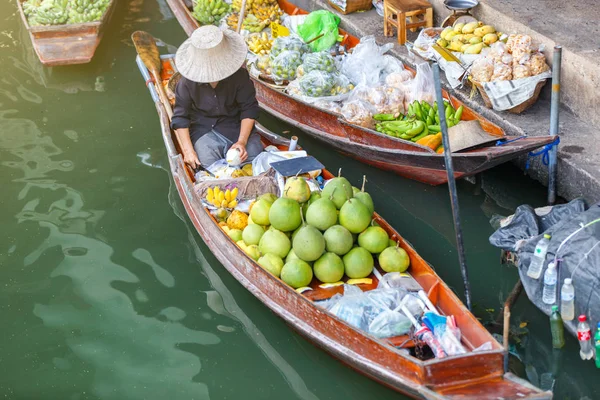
x=81, y=11
x=48, y=12
x=236, y=5
x=270, y=13
x=222, y=199
x=469, y=38
x=260, y=44
x=209, y=12
x=253, y=24
x=232, y=20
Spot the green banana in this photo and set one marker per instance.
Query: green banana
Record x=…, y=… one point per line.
x=458, y=113
x=416, y=129
x=421, y=135
x=434, y=128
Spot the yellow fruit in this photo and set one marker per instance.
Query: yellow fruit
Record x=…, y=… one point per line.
x=224, y=203
x=248, y=169
x=237, y=220
x=221, y=197
x=490, y=38
x=474, y=48
x=450, y=35
x=458, y=27
x=228, y=195
x=464, y=47
x=232, y=204
x=216, y=191
x=468, y=36
x=234, y=193
x=484, y=30
x=209, y=196
x=445, y=32
x=458, y=38
x=209, y=192
x=470, y=27
x=455, y=46
x=475, y=40
x=238, y=173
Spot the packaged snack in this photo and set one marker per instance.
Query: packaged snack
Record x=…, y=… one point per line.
x=482, y=70
x=537, y=64
x=502, y=72
x=358, y=112
x=520, y=71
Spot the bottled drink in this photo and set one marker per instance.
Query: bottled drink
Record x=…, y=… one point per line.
x=538, y=258
x=584, y=335
x=550, y=278
x=558, y=332
x=597, y=344
x=567, y=300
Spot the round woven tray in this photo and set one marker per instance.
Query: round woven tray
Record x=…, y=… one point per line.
x=516, y=109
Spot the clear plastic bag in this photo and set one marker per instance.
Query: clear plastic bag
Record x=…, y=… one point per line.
x=422, y=88
x=359, y=112
x=389, y=323
x=537, y=64
x=332, y=106
x=502, y=72
x=317, y=83
x=287, y=43
x=321, y=61
x=520, y=71
x=497, y=51
x=482, y=70
x=365, y=63
x=395, y=100
x=350, y=307
x=399, y=79
x=283, y=67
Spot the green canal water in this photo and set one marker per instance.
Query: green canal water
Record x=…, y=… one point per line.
x=106, y=290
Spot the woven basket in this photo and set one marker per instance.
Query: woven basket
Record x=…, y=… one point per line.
x=353, y=5
x=516, y=109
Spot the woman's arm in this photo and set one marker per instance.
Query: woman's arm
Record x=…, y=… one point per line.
x=181, y=124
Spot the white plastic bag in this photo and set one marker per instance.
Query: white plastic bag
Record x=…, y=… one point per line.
x=422, y=87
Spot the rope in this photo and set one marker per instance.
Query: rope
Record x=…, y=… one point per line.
x=503, y=142
x=544, y=152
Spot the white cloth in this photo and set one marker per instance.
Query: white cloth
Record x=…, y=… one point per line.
x=505, y=95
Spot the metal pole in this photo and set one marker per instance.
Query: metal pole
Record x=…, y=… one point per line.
x=451, y=184
x=554, y=111
x=241, y=16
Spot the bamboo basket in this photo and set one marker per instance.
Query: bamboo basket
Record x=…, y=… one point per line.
x=516, y=109
x=353, y=5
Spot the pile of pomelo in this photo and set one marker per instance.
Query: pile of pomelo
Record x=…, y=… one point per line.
x=327, y=234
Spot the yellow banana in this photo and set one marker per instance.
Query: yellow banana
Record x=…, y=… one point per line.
x=228, y=195
x=224, y=203
x=232, y=204
x=234, y=193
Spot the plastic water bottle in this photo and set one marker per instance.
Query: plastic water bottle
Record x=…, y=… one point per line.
x=584, y=335
x=550, y=279
x=558, y=330
x=539, y=258
x=597, y=345
x=567, y=300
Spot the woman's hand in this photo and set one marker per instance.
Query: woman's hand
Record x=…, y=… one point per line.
x=241, y=147
x=191, y=159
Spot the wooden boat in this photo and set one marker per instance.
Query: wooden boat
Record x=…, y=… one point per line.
x=67, y=44
x=474, y=375
x=369, y=146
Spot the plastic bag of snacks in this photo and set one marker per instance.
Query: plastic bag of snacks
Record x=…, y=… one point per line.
x=358, y=112
x=482, y=70
x=288, y=43
x=316, y=83
x=399, y=79
x=502, y=72
x=283, y=67
x=365, y=63
x=332, y=106
x=321, y=61
x=422, y=88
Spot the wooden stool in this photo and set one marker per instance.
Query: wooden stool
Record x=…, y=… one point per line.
x=395, y=13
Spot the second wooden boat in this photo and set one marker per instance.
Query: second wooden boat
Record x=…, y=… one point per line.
x=474, y=375
x=67, y=44
x=403, y=157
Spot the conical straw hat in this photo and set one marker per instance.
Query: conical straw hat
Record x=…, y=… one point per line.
x=211, y=54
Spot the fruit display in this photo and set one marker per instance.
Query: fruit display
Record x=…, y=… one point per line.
x=326, y=235
x=210, y=12
x=259, y=13
x=469, y=38
x=317, y=83
x=57, y=12
x=420, y=122
x=220, y=198
x=515, y=59
x=260, y=43
x=284, y=65
x=321, y=61
x=288, y=43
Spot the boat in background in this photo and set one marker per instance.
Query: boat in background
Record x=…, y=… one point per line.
x=474, y=375
x=405, y=158
x=69, y=43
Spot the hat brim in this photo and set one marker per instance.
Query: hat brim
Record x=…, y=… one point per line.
x=195, y=65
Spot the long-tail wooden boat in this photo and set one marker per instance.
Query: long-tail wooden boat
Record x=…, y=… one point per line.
x=369, y=146
x=474, y=375
x=67, y=44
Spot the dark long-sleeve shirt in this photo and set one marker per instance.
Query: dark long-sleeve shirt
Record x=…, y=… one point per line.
x=201, y=108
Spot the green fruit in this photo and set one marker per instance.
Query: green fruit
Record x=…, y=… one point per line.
x=355, y=190
x=274, y=242
x=308, y=243
x=355, y=216
x=394, y=259
x=252, y=234
x=322, y=214
x=291, y=256
x=271, y=263
x=374, y=239
x=284, y=214
x=366, y=199
x=270, y=197
x=339, y=190
x=338, y=240
x=297, y=188
x=358, y=263
x=329, y=268
x=252, y=251
x=296, y=273
x=235, y=234
x=260, y=212
x=391, y=243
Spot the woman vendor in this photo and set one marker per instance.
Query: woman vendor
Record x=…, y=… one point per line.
x=215, y=101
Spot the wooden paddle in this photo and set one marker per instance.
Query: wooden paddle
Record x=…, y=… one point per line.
x=145, y=45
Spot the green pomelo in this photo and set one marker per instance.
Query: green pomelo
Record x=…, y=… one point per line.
x=338, y=240
x=322, y=214
x=355, y=216
x=309, y=243
x=285, y=214
x=314, y=196
x=235, y=234
x=274, y=242
x=297, y=188
x=270, y=197
x=391, y=243
x=366, y=199
x=339, y=190
x=252, y=234
x=291, y=256
x=358, y=263
x=250, y=222
x=374, y=239
x=253, y=251
x=271, y=263
x=260, y=212
x=296, y=273
x=329, y=268
x=394, y=259
x=355, y=190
